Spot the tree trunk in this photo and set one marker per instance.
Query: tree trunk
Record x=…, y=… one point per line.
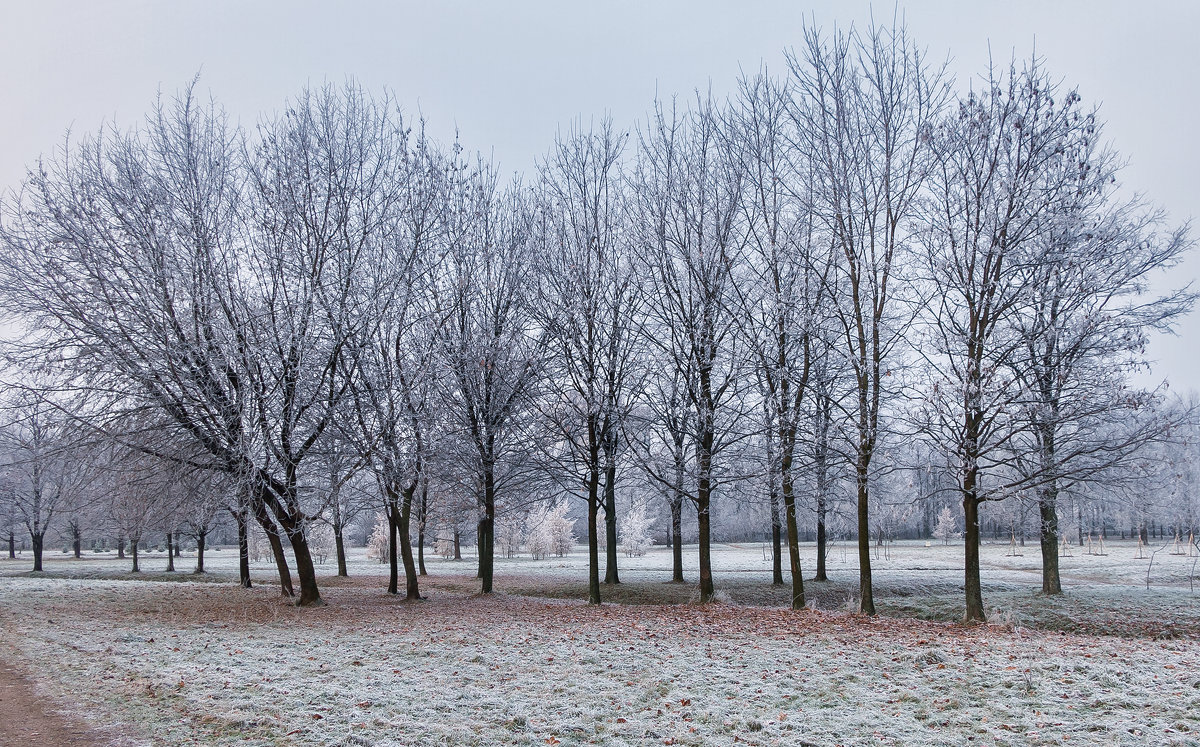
x=793, y=534
x=201, y=538
x=487, y=529
x=422, y=518
x=133, y=552
x=38, y=539
x=677, y=524
x=340, y=543
x=404, y=526
x=974, y=588
x=610, y=520
x=310, y=596
x=1048, y=510
x=867, y=599
x=120, y=548
x=77, y=541
x=243, y=549
x=593, y=549
x=170, y=554
x=457, y=545
x=272, y=532
x=393, y=517
x=12, y=545
x=178, y=547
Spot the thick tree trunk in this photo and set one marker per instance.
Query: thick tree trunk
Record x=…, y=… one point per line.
x=178, y=548
x=133, y=553
x=38, y=539
x=170, y=554
x=610, y=520
x=201, y=538
x=457, y=545
x=12, y=545
x=120, y=548
x=77, y=541
x=677, y=538
x=1048, y=512
x=310, y=596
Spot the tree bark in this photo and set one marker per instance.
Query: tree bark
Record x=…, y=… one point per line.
x=593, y=551
x=340, y=543
x=272, y=532
x=178, y=548
x=120, y=548
x=243, y=549
x=201, y=537
x=38, y=539
x=77, y=541
x=457, y=545
x=793, y=534
x=1048, y=512
x=133, y=553
x=422, y=518
x=973, y=586
x=404, y=525
x=393, y=548
x=12, y=545
x=867, y=599
x=170, y=554
x=610, y=520
x=487, y=529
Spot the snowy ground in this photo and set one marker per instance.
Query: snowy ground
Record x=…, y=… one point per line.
x=190, y=662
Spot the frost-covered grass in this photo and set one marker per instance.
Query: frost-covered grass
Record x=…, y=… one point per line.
x=211, y=663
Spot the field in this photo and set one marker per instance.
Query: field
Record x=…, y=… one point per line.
x=175, y=659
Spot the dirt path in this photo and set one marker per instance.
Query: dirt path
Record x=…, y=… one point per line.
x=30, y=721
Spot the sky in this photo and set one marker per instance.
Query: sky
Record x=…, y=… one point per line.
x=507, y=75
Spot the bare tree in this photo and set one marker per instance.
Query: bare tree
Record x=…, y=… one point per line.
x=689, y=193
x=992, y=189
x=864, y=104
x=590, y=301
x=489, y=345
x=784, y=287
x=1083, y=329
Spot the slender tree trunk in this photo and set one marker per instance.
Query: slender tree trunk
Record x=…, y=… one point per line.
x=867, y=598
x=824, y=418
x=793, y=534
x=12, y=545
x=120, y=548
x=704, y=498
x=610, y=519
x=973, y=586
x=422, y=518
x=77, y=541
x=393, y=515
x=38, y=539
x=133, y=552
x=457, y=545
x=593, y=547
x=170, y=554
x=201, y=538
x=340, y=543
x=677, y=538
x=243, y=548
x=411, y=590
x=487, y=527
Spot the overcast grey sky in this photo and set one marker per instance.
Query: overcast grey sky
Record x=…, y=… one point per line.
x=508, y=74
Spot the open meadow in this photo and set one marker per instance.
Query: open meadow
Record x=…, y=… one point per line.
x=177, y=659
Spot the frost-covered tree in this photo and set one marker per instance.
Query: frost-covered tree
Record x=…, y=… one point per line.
x=635, y=538
x=946, y=528
x=688, y=193
x=864, y=102
x=590, y=302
